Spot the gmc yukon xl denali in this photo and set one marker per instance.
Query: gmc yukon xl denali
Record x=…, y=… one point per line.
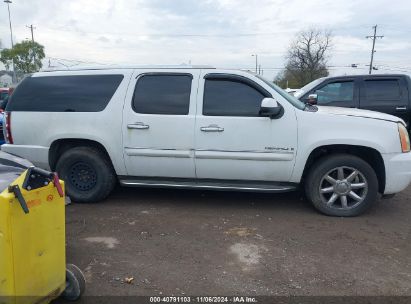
x=199, y=127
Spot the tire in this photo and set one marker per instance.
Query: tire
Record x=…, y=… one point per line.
x=88, y=174
x=326, y=185
x=75, y=283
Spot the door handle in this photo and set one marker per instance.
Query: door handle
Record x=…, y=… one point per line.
x=138, y=125
x=401, y=108
x=212, y=128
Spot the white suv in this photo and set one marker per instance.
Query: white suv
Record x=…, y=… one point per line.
x=199, y=127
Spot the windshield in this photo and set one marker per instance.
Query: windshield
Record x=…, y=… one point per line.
x=308, y=87
x=291, y=99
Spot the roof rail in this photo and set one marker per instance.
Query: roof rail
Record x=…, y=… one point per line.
x=110, y=67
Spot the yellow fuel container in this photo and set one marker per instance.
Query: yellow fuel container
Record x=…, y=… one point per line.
x=32, y=242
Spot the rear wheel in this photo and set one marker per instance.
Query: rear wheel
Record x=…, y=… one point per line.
x=87, y=173
x=342, y=185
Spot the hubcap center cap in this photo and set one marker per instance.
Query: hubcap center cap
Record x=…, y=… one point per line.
x=342, y=187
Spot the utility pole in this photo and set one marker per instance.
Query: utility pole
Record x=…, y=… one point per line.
x=31, y=27
x=256, y=62
x=373, y=37
x=11, y=37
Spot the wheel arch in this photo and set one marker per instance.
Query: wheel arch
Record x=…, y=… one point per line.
x=59, y=146
x=370, y=155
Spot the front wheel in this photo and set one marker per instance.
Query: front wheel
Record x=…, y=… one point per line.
x=341, y=185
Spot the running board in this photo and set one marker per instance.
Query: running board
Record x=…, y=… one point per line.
x=251, y=186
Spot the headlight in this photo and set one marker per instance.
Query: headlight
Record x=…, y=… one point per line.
x=404, y=138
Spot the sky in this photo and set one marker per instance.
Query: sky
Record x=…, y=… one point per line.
x=221, y=33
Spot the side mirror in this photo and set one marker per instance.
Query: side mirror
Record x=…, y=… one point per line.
x=270, y=108
x=312, y=99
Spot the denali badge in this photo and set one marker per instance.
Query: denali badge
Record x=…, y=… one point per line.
x=279, y=149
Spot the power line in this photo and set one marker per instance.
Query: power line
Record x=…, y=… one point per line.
x=176, y=35
x=394, y=69
x=74, y=61
x=373, y=37
x=394, y=66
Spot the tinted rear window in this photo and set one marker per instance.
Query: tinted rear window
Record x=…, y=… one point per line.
x=81, y=93
x=382, y=89
x=163, y=94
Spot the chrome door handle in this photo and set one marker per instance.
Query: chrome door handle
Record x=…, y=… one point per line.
x=138, y=125
x=212, y=128
x=401, y=108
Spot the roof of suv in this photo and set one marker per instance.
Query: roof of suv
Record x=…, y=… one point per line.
x=110, y=67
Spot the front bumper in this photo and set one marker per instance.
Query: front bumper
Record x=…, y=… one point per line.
x=397, y=171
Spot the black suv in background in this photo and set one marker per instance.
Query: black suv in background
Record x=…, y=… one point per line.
x=387, y=93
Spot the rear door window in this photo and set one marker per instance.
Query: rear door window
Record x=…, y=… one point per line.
x=386, y=94
x=80, y=93
x=382, y=89
x=164, y=94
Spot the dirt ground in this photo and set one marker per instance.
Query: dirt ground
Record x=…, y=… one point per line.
x=179, y=242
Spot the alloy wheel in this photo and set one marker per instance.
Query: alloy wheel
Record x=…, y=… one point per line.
x=343, y=188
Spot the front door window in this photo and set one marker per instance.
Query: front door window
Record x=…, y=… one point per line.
x=336, y=92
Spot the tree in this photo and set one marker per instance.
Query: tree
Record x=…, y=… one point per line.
x=307, y=58
x=27, y=56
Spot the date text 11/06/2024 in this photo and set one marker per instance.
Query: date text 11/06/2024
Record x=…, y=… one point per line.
x=203, y=299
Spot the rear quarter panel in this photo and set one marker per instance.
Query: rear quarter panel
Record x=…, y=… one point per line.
x=43, y=128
